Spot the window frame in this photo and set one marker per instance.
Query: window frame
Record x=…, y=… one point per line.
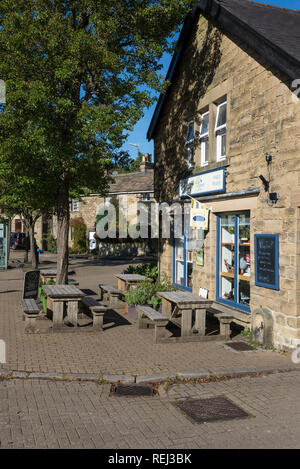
x=220, y=131
x=75, y=203
x=189, y=144
x=204, y=138
x=232, y=303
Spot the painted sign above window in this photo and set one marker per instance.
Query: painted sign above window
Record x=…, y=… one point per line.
x=204, y=183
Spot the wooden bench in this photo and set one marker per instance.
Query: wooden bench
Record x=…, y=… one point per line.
x=112, y=294
x=73, y=282
x=31, y=311
x=225, y=321
x=225, y=318
x=97, y=311
x=147, y=313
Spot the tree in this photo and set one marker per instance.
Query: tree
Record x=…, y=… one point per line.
x=78, y=75
x=18, y=195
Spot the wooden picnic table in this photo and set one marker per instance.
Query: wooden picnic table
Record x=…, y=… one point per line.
x=185, y=303
x=47, y=274
x=59, y=295
x=125, y=281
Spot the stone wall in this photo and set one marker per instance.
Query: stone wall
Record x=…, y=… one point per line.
x=262, y=118
x=88, y=210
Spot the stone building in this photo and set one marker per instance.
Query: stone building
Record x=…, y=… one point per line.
x=127, y=189
x=227, y=133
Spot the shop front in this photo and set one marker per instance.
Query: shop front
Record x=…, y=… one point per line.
x=217, y=261
x=233, y=273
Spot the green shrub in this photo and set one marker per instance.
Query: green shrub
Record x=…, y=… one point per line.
x=79, y=244
x=148, y=270
x=145, y=293
x=51, y=242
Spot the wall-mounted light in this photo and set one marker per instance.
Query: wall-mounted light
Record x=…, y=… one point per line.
x=265, y=183
x=273, y=197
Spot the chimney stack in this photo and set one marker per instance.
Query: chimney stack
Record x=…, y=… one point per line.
x=146, y=162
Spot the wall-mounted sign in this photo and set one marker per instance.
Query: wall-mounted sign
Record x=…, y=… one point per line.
x=199, y=215
x=31, y=284
x=204, y=183
x=266, y=260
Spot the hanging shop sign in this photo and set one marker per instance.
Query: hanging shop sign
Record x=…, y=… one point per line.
x=199, y=215
x=266, y=260
x=204, y=183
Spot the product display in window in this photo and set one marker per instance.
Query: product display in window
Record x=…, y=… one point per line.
x=234, y=263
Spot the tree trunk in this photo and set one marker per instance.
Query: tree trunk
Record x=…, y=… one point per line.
x=63, y=217
x=34, y=259
x=27, y=242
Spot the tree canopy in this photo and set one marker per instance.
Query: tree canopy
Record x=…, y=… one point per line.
x=78, y=75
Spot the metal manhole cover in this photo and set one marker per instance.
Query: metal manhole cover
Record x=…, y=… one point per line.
x=240, y=346
x=212, y=409
x=133, y=390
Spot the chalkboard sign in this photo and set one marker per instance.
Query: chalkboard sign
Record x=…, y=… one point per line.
x=31, y=284
x=266, y=261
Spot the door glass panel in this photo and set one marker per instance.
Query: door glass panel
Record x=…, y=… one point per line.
x=227, y=257
x=234, y=260
x=189, y=257
x=244, y=259
x=179, y=261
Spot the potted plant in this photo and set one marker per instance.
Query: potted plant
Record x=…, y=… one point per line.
x=42, y=295
x=145, y=294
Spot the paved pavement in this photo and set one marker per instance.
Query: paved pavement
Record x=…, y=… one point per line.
x=120, y=349
x=40, y=413
x=47, y=414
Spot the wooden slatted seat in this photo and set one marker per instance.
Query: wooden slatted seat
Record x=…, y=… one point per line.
x=97, y=311
x=147, y=313
x=31, y=311
x=225, y=317
x=108, y=292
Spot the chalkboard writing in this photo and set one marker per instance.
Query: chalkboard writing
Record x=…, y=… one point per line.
x=266, y=261
x=31, y=284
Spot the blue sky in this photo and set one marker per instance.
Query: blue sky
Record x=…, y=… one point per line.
x=138, y=135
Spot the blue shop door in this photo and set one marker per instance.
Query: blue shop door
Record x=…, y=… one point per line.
x=3, y=244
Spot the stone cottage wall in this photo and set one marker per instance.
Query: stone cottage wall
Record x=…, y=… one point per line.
x=262, y=118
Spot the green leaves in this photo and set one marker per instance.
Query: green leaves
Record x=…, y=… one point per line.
x=78, y=76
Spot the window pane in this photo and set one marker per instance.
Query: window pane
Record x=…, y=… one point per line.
x=204, y=124
x=190, y=158
x=223, y=145
x=204, y=151
x=189, y=256
x=190, y=132
x=227, y=257
x=244, y=260
x=179, y=261
x=221, y=115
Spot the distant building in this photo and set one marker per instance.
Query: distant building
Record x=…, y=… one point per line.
x=134, y=187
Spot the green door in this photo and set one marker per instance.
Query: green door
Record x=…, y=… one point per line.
x=3, y=244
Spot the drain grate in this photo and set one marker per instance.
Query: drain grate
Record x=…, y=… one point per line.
x=240, y=346
x=212, y=409
x=133, y=390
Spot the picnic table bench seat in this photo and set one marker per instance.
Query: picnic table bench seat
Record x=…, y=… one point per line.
x=31, y=311
x=147, y=313
x=97, y=311
x=225, y=318
x=110, y=293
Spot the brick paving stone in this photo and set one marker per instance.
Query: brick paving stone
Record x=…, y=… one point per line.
x=44, y=413
x=121, y=349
